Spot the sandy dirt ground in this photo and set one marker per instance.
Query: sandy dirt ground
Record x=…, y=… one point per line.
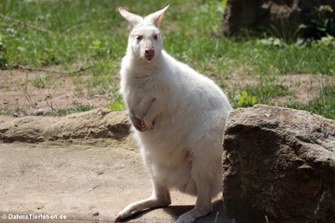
x=84, y=183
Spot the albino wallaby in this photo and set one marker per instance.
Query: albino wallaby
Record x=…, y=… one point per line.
x=178, y=117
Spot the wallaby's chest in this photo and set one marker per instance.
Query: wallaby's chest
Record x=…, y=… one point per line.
x=139, y=92
x=141, y=88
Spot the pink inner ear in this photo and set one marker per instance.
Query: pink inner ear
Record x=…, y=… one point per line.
x=133, y=19
x=159, y=19
x=156, y=17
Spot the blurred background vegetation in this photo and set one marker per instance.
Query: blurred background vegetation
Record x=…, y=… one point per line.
x=92, y=35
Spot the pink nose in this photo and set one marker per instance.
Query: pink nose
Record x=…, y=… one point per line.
x=149, y=53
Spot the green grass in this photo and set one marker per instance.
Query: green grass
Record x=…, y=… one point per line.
x=67, y=111
x=265, y=93
x=70, y=32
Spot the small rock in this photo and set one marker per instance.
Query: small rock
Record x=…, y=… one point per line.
x=100, y=172
x=42, y=111
x=40, y=207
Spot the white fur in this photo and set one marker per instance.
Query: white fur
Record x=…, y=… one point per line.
x=179, y=116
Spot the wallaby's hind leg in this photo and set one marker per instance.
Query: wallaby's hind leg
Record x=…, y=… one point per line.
x=160, y=198
x=205, y=176
x=202, y=207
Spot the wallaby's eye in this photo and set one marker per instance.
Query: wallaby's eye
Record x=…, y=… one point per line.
x=138, y=37
x=155, y=36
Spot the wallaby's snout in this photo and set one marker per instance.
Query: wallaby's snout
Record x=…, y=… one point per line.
x=149, y=53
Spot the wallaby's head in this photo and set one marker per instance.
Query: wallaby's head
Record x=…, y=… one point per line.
x=145, y=40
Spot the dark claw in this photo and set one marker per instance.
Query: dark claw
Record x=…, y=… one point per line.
x=142, y=127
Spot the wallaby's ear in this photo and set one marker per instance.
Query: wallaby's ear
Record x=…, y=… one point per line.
x=156, y=17
x=133, y=19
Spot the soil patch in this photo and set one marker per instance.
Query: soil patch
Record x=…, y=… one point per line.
x=304, y=87
x=24, y=92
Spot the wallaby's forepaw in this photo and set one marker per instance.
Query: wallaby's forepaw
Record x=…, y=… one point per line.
x=149, y=125
x=137, y=123
x=141, y=126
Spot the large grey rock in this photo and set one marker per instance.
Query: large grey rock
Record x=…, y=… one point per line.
x=279, y=164
x=280, y=17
